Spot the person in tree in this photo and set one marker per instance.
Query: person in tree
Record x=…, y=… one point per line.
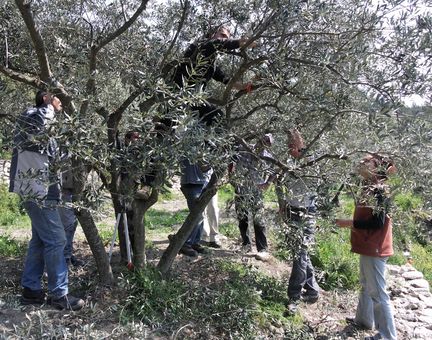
x=299, y=212
x=34, y=176
x=199, y=66
x=251, y=177
x=371, y=238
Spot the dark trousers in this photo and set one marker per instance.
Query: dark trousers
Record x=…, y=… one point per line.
x=302, y=273
x=251, y=201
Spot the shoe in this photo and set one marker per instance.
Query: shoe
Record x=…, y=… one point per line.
x=292, y=307
x=67, y=301
x=374, y=337
x=262, y=255
x=199, y=248
x=352, y=322
x=76, y=262
x=32, y=297
x=188, y=251
x=309, y=298
x=214, y=244
x=73, y=261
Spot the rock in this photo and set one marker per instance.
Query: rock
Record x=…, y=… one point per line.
x=419, y=283
x=409, y=316
x=394, y=270
x=426, y=312
x=427, y=320
x=412, y=275
x=422, y=333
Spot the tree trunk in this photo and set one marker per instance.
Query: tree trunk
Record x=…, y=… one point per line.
x=89, y=227
x=140, y=207
x=96, y=245
x=182, y=235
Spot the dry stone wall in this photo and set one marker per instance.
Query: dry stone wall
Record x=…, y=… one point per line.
x=412, y=302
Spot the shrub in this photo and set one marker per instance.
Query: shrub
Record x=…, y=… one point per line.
x=339, y=267
x=10, y=247
x=10, y=208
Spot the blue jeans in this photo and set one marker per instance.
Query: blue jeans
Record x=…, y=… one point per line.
x=303, y=273
x=45, y=249
x=69, y=222
x=374, y=307
x=192, y=192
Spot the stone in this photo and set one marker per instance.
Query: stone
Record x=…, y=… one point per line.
x=426, y=312
x=409, y=316
x=427, y=320
x=412, y=275
x=419, y=283
x=422, y=333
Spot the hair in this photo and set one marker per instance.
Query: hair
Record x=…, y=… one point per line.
x=212, y=31
x=39, y=99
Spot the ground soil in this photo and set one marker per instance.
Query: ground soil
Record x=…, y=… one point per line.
x=100, y=318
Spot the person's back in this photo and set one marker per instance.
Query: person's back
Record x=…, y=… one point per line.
x=33, y=178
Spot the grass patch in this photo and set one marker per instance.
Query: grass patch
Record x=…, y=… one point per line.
x=11, y=212
x=164, y=220
x=230, y=230
x=225, y=194
x=421, y=256
x=11, y=247
x=244, y=304
x=339, y=267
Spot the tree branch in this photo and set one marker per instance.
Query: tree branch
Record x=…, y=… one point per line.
x=37, y=40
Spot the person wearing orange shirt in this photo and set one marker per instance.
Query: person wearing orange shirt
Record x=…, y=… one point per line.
x=371, y=238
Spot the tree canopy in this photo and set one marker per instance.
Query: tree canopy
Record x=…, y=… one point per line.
x=337, y=70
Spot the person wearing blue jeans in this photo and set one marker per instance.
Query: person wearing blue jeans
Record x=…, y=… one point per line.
x=193, y=182
x=45, y=249
x=70, y=223
x=34, y=178
x=372, y=238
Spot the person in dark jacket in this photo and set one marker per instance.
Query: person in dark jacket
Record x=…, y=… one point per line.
x=199, y=66
x=34, y=178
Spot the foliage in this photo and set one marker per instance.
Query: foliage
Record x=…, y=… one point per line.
x=336, y=265
x=421, y=256
x=230, y=230
x=225, y=194
x=164, y=221
x=10, y=207
x=233, y=309
x=336, y=70
x=11, y=247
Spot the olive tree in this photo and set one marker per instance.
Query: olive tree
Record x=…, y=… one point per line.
x=336, y=70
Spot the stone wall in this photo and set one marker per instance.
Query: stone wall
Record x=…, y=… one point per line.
x=412, y=302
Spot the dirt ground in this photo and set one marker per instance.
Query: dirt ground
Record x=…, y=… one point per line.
x=100, y=318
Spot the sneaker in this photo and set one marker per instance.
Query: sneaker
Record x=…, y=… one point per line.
x=66, y=302
x=263, y=256
x=188, y=251
x=32, y=297
x=309, y=298
x=199, y=248
x=214, y=244
x=292, y=307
